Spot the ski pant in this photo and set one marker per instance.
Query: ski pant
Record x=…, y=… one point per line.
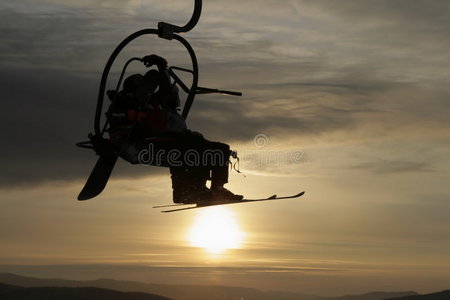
x=201, y=160
x=192, y=159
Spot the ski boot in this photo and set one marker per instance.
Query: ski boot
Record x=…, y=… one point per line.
x=192, y=195
x=221, y=193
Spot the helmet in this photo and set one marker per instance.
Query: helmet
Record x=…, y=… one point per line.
x=147, y=86
x=132, y=82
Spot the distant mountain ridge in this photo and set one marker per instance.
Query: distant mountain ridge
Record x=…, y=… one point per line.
x=178, y=292
x=191, y=292
x=375, y=296
x=444, y=295
x=10, y=292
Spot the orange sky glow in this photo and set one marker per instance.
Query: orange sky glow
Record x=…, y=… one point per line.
x=353, y=102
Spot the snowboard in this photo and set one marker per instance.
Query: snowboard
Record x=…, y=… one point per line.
x=99, y=176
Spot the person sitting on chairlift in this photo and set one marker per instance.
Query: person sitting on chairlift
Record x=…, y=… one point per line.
x=145, y=115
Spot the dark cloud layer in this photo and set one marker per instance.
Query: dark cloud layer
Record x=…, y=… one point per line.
x=342, y=67
x=47, y=113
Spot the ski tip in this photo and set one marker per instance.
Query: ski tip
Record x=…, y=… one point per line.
x=300, y=194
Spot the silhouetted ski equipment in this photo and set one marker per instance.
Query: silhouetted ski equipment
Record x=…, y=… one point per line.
x=103, y=168
x=223, y=202
x=98, y=178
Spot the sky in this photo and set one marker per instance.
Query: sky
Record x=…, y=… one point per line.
x=347, y=100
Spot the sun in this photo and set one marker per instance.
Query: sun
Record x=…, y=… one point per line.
x=215, y=230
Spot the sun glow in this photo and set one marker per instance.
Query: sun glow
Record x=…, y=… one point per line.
x=216, y=230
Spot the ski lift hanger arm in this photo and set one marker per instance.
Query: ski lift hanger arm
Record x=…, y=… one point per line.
x=166, y=31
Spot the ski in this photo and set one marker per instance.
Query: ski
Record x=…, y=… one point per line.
x=184, y=204
x=169, y=205
x=216, y=203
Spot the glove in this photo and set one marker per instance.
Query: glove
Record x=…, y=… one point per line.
x=153, y=59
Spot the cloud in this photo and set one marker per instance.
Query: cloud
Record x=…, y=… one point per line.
x=395, y=167
x=309, y=71
x=48, y=112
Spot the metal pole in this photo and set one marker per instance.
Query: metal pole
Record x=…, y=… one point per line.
x=166, y=30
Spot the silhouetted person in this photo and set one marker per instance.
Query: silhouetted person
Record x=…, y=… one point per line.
x=145, y=116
